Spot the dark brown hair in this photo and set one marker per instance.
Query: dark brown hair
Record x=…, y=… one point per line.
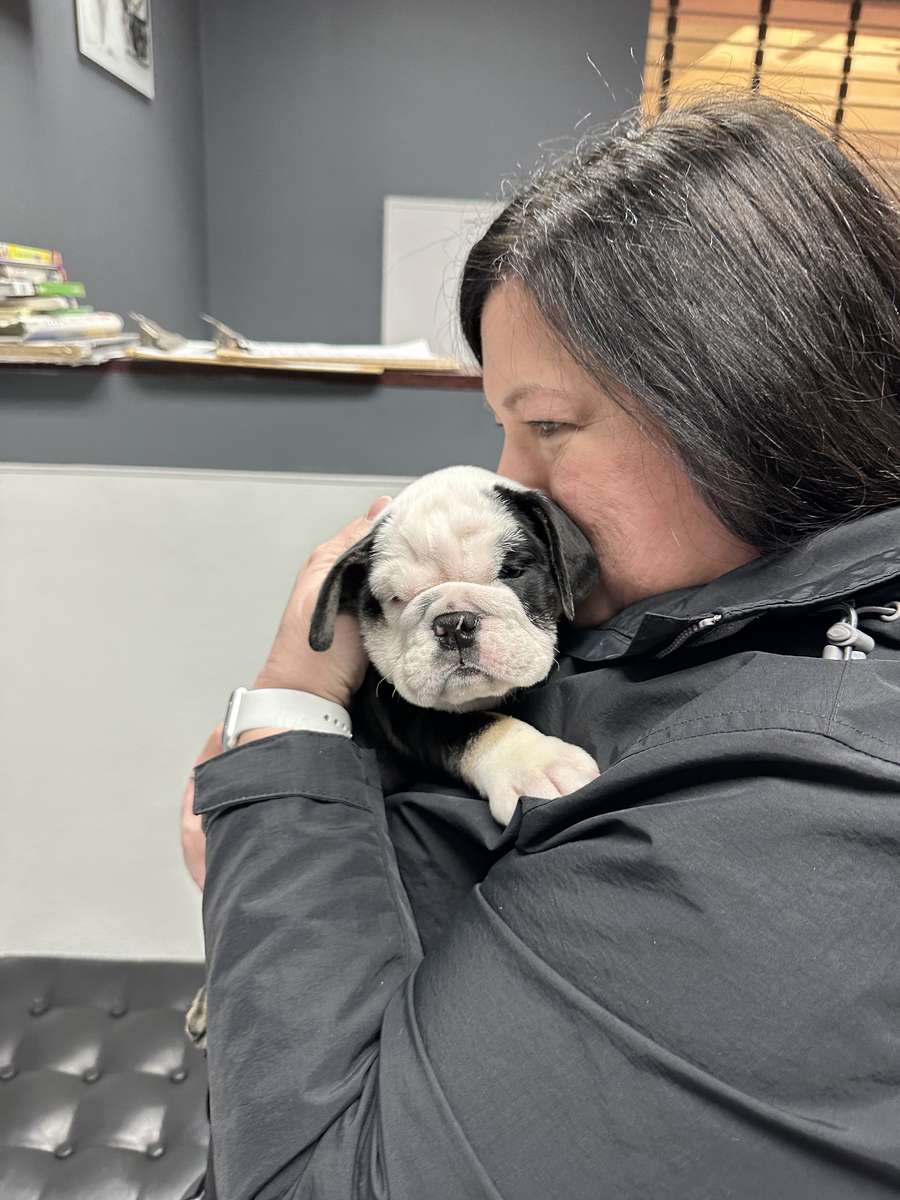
x=728, y=272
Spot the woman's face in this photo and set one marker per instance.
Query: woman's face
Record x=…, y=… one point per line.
x=648, y=526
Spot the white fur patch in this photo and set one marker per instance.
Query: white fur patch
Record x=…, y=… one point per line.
x=440, y=550
x=510, y=759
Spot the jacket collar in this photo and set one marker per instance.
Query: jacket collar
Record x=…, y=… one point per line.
x=838, y=563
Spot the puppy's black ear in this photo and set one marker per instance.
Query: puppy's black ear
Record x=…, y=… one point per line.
x=339, y=591
x=572, y=559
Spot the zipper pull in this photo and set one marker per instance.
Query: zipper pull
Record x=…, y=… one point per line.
x=687, y=634
x=845, y=641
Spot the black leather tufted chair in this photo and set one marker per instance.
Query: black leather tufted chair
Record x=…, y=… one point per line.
x=102, y=1096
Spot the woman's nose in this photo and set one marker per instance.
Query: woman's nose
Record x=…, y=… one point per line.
x=515, y=465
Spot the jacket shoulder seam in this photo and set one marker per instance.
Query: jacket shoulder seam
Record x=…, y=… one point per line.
x=689, y=737
x=831, y=730
x=661, y=731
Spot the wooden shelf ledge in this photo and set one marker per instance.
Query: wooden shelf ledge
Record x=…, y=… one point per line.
x=439, y=380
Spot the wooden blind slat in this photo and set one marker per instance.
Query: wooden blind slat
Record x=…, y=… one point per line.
x=816, y=93
x=871, y=120
x=869, y=44
x=865, y=93
x=868, y=93
x=736, y=56
x=806, y=13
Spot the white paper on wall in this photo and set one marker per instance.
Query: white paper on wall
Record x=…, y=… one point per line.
x=425, y=242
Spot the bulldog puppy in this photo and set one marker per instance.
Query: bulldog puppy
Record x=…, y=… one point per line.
x=458, y=588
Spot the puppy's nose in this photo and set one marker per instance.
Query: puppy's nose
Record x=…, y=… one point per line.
x=458, y=627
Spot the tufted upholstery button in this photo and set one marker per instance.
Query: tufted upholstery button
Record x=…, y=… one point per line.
x=118, y=1010
x=137, y=1131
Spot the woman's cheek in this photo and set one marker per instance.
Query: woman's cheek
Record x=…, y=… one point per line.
x=591, y=490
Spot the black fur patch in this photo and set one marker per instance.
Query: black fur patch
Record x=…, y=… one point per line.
x=566, y=550
x=369, y=604
x=527, y=572
x=425, y=736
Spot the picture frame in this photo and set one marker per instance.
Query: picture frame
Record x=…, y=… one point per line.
x=117, y=36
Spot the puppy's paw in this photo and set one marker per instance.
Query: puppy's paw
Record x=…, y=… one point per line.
x=195, y=1020
x=511, y=759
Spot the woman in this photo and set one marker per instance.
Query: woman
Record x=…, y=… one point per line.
x=681, y=980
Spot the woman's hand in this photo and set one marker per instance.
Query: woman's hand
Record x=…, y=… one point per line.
x=193, y=839
x=334, y=674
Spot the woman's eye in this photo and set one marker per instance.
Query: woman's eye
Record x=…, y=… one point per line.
x=546, y=429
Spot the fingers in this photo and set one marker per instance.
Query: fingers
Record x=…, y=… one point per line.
x=213, y=745
x=359, y=527
x=193, y=840
x=352, y=533
x=378, y=506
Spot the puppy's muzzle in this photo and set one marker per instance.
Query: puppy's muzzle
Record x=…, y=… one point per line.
x=455, y=630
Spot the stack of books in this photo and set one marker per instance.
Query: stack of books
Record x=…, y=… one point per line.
x=44, y=316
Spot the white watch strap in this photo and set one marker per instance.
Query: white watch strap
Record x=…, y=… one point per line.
x=281, y=708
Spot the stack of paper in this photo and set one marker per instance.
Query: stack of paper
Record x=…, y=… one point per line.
x=416, y=355
x=43, y=317
x=76, y=352
x=313, y=356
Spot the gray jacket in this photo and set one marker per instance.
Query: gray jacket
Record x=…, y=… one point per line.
x=679, y=982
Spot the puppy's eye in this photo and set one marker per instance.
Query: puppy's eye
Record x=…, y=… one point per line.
x=512, y=570
x=395, y=600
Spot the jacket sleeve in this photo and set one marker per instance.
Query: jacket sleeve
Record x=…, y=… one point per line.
x=677, y=981
x=308, y=934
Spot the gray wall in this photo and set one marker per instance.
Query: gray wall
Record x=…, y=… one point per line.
x=239, y=421
x=309, y=114
x=314, y=112
x=92, y=168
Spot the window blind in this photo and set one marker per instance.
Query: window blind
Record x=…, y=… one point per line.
x=838, y=58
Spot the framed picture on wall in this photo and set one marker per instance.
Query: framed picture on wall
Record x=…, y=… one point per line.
x=116, y=35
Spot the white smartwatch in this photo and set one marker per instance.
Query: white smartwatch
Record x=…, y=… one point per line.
x=281, y=708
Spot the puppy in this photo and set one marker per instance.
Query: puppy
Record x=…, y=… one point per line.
x=458, y=588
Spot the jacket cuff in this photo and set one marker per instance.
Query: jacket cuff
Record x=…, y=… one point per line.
x=322, y=766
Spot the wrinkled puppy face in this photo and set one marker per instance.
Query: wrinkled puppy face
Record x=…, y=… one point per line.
x=458, y=588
